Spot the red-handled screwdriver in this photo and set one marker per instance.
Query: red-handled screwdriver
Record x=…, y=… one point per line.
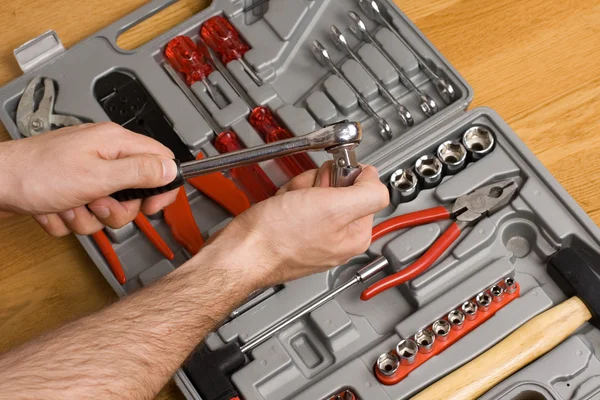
x=222, y=37
x=187, y=58
x=252, y=178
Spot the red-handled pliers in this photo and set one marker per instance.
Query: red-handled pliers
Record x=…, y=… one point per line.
x=466, y=210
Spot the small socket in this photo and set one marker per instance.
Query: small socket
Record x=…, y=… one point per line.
x=510, y=285
x=469, y=308
x=407, y=350
x=453, y=156
x=388, y=364
x=429, y=170
x=483, y=301
x=478, y=141
x=456, y=319
x=425, y=339
x=403, y=186
x=441, y=327
x=497, y=293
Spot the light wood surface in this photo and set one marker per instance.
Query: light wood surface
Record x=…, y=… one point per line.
x=532, y=340
x=536, y=62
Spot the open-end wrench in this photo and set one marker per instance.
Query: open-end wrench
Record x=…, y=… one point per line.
x=323, y=57
x=340, y=41
x=358, y=27
x=376, y=11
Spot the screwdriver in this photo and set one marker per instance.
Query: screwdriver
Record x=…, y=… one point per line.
x=186, y=58
x=220, y=36
x=261, y=118
x=251, y=177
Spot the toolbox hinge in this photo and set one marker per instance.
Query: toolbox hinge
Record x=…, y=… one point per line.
x=38, y=50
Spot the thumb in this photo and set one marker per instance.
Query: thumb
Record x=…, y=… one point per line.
x=138, y=171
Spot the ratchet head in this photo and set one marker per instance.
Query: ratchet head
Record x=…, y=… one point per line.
x=486, y=200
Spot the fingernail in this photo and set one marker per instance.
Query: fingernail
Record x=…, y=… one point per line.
x=41, y=219
x=68, y=215
x=318, y=180
x=169, y=170
x=100, y=211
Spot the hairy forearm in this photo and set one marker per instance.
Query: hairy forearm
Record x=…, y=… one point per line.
x=131, y=349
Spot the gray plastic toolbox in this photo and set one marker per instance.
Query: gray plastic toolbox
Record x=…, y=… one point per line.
x=336, y=346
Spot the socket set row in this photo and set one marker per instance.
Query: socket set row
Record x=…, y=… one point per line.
x=451, y=157
x=411, y=353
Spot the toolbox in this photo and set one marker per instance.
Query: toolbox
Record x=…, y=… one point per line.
x=337, y=348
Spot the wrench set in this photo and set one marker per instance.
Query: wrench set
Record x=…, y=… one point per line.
x=410, y=353
x=244, y=81
x=450, y=158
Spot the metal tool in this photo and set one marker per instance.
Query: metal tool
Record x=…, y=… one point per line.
x=441, y=327
x=479, y=141
x=497, y=293
x=322, y=55
x=345, y=395
x=339, y=140
x=510, y=285
x=224, y=39
x=403, y=186
x=429, y=169
x=407, y=350
x=251, y=177
x=425, y=338
x=469, y=308
x=453, y=156
x=376, y=11
x=34, y=118
x=483, y=301
x=43, y=119
x=388, y=363
x=456, y=319
x=256, y=4
x=358, y=27
x=339, y=40
x=467, y=210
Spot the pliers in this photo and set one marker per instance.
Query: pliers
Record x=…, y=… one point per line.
x=466, y=210
x=35, y=117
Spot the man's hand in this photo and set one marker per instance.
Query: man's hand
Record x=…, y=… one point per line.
x=308, y=226
x=55, y=175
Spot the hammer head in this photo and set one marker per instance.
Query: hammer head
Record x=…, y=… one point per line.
x=576, y=270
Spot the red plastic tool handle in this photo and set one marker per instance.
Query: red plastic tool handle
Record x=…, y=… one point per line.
x=180, y=219
x=416, y=268
x=263, y=120
x=189, y=59
x=223, y=191
x=147, y=229
x=222, y=37
x=409, y=220
x=251, y=177
x=110, y=255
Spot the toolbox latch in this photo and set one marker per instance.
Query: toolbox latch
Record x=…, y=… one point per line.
x=38, y=50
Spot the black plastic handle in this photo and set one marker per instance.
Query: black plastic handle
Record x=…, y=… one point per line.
x=132, y=194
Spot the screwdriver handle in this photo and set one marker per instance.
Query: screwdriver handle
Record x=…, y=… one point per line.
x=142, y=193
x=189, y=59
x=220, y=36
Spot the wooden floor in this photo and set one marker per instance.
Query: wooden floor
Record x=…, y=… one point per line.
x=536, y=62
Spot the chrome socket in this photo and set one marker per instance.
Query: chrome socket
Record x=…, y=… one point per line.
x=441, y=327
x=407, y=350
x=456, y=319
x=403, y=186
x=429, y=170
x=388, y=364
x=453, y=156
x=469, y=308
x=483, y=301
x=425, y=339
x=478, y=141
x=510, y=285
x=497, y=293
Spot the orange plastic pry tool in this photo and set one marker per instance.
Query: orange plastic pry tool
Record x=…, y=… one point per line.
x=183, y=226
x=147, y=229
x=110, y=255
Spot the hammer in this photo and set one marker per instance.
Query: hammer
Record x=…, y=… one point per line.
x=576, y=270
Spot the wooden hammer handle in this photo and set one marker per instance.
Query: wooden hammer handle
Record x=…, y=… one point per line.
x=535, y=338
